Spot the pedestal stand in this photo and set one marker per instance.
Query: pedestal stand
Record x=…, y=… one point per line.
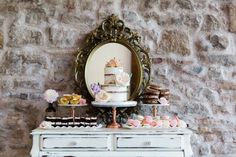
x=114, y=105
x=154, y=108
x=73, y=109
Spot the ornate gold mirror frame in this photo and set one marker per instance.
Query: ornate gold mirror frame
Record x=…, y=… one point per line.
x=112, y=30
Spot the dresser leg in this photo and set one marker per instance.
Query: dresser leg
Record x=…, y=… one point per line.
x=35, y=147
x=188, y=149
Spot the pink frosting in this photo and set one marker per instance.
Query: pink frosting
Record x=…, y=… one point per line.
x=148, y=119
x=159, y=123
x=136, y=123
x=133, y=122
x=165, y=117
x=130, y=121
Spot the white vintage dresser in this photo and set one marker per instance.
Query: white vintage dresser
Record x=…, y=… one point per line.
x=111, y=143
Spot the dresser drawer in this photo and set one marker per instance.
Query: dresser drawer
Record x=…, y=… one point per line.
x=162, y=142
x=74, y=142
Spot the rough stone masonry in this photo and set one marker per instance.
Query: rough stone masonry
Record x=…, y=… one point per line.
x=192, y=45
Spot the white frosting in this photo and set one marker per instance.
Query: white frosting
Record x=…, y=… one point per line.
x=117, y=93
x=113, y=70
x=110, y=74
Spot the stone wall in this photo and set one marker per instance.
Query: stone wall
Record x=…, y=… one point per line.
x=192, y=44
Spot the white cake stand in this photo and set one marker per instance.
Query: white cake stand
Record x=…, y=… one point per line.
x=114, y=105
x=154, y=108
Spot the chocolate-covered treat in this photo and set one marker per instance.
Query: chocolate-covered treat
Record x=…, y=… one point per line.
x=153, y=93
x=165, y=93
x=151, y=101
x=146, y=96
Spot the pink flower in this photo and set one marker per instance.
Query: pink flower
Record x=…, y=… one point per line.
x=163, y=101
x=50, y=95
x=123, y=79
x=82, y=101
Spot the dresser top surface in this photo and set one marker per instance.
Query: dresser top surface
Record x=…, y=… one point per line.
x=112, y=131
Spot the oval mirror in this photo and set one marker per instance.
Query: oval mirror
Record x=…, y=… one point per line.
x=95, y=65
x=112, y=40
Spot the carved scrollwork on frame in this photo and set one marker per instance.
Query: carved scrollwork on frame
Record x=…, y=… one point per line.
x=112, y=30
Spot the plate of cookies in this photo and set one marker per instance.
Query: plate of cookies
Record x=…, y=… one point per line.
x=155, y=95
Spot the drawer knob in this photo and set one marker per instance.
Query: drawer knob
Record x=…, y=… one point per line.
x=73, y=143
x=148, y=143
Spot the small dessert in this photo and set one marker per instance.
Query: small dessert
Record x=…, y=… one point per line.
x=182, y=124
x=165, y=93
x=163, y=101
x=173, y=123
x=166, y=123
x=64, y=101
x=72, y=99
x=82, y=101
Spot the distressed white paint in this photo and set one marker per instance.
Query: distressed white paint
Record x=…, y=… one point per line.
x=111, y=143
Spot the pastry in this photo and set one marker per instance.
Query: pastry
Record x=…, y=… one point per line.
x=165, y=93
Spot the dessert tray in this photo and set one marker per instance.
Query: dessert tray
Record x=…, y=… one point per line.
x=50, y=125
x=69, y=122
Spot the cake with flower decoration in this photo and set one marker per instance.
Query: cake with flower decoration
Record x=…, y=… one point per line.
x=116, y=83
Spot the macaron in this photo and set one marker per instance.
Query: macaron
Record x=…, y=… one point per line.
x=166, y=123
x=148, y=119
x=173, y=123
x=140, y=117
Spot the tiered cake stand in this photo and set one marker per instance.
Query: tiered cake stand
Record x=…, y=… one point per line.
x=154, y=108
x=73, y=106
x=114, y=105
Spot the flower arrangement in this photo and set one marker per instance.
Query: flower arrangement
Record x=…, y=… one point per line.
x=50, y=95
x=100, y=95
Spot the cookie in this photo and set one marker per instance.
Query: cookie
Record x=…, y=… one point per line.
x=165, y=93
x=150, y=101
x=150, y=96
x=154, y=86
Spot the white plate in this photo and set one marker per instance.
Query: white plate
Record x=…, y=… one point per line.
x=115, y=104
